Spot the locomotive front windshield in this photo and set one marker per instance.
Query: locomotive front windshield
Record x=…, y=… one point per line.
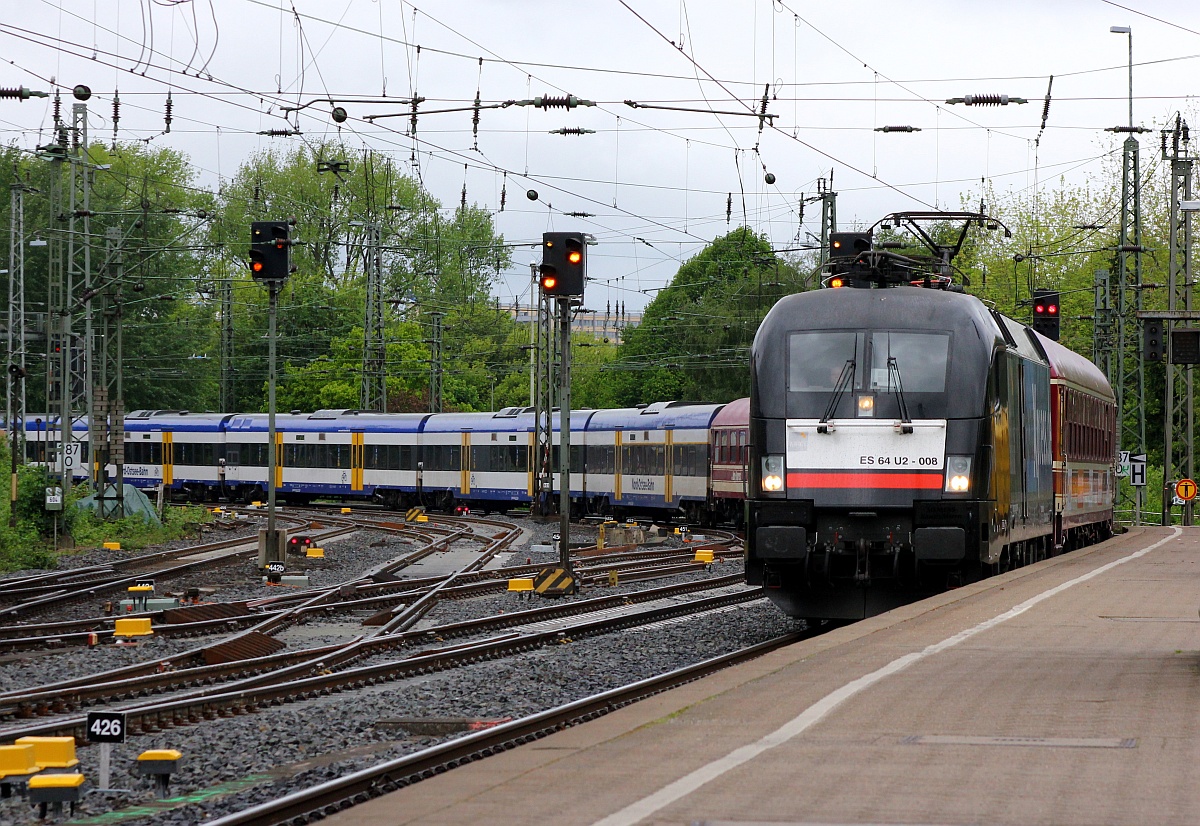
x=920, y=360
x=883, y=362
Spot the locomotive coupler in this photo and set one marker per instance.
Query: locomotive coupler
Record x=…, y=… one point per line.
x=862, y=566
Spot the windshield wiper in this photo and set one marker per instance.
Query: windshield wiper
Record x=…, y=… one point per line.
x=842, y=383
x=894, y=370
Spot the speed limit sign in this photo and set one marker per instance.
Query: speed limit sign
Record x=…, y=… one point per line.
x=106, y=727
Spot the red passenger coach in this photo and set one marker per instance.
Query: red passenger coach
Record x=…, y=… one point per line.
x=1083, y=419
x=729, y=446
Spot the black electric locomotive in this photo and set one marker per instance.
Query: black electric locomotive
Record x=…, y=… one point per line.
x=902, y=440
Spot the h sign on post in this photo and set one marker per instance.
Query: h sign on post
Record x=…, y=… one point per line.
x=1137, y=470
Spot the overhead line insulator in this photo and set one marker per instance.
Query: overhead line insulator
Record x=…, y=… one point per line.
x=21, y=93
x=550, y=102
x=987, y=100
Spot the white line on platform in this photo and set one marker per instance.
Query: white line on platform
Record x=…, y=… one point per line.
x=641, y=809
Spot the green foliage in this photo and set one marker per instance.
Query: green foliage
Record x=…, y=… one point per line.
x=432, y=260
x=133, y=532
x=29, y=545
x=694, y=339
x=31, y=502
x=146, y=198
x=1061, y=239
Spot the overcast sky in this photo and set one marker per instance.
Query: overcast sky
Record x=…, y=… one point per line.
x=658, y=181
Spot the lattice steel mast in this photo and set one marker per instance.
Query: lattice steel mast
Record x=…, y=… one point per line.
x=1178, y=413
x=374, y=375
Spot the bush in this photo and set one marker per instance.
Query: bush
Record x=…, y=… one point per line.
x=31, y=502
x=22, y=549
x=133, y=532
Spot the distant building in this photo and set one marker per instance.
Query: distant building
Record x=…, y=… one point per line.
x=599, y=325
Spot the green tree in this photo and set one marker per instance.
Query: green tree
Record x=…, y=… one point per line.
x=694, y=339
x=146, y=195
x=432, y=261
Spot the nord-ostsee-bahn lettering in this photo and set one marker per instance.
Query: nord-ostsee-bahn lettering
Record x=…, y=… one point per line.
x=905, y=438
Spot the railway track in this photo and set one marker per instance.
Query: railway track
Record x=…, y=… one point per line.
x=314, y=677
x=191, y=670
x=245, y=670
x=322, y=800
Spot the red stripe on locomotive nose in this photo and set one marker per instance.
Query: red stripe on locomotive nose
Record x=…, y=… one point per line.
x=866, y=479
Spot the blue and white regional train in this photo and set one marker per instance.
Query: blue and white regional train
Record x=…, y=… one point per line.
x=655, y=459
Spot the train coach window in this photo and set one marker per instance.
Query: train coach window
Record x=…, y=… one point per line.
x=816, y=359
x=253, y=455
x=921, y=359
x=443, y=457
x=600, y=459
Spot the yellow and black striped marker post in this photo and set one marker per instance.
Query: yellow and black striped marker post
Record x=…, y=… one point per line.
x=416, y=515
x=554, y=582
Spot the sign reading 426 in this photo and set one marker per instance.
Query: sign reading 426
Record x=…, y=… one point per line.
x=106, y=727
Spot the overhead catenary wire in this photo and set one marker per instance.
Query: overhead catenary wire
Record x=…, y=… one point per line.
x=617, y=183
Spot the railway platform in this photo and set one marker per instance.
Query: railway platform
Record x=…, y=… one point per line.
x=1061, y=693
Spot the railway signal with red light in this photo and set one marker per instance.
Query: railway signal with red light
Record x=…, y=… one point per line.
x=299, y=544
x=1045, y=313
x=270, y=250
x=564, y=263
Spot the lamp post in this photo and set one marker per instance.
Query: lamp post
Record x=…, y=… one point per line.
x=1126, y=30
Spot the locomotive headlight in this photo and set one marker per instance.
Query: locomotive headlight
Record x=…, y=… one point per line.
x=772, y=473
x=958, y=474
x=866, y=405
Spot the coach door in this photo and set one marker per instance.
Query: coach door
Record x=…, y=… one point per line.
x=668, y=450
x=618, y=449
x=531, y=463
x=278, y=460
x=356, y=461
x=168, y=457
x=465, y=480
